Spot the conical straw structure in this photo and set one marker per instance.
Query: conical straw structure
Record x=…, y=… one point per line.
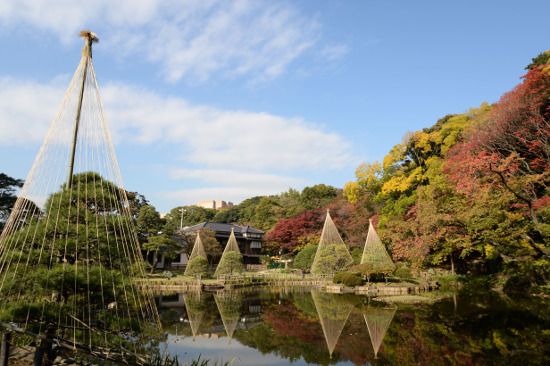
x=69, y=251
x=332, y=253
x=375, y=252
x=232, y=259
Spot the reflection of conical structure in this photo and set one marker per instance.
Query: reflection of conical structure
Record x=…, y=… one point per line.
x=69, y=250
x=332, y=253
x=195, y=311
x=198, y=251
x=230, y=307
x=232, y=259
x=375, y=252
x=333, y=316
x=378, y=321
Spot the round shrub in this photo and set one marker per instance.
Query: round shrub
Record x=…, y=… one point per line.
x=403, y=273
x=352, y=280
x=231, y=262
x=197, y=266
x=338, y=277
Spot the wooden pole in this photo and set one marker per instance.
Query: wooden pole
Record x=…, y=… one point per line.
x=87, y=55
x=5, y=349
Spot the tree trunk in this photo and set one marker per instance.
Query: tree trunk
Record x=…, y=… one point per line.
x=452, y=265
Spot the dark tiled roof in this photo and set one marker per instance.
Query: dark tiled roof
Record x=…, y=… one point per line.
x=221, y=227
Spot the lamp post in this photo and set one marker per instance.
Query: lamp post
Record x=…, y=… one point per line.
x=182, y=210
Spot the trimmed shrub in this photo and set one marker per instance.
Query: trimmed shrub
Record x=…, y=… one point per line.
x=404, y=273
x=197, y=266
x=231, y=262
x=348, y=279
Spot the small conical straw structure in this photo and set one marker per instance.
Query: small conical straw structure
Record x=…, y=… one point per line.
x=332, y=253
x=69, y=251
x=232, y=259
x=375, y=252
x=333, y=316
x=378, y=321
x=197, y=252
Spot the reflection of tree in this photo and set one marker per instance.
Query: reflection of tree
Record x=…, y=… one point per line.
x=333, y=316
x=195, y=311
x=378, y=319
x=230, y=308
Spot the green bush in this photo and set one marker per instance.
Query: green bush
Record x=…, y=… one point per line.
x=517, y=283
x=197, y=266
x=338, y=277
x=304, y=258
x=348, y=279
x=352, y=280
x=333, y=258
x=404, y=273
x=231, y=262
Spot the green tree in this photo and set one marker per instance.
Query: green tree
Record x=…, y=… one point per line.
x=317, y=196
x=8, y=186
x=264, y=216
x=197, y=266
x=304, y=258
x=82, y=234
x=231, y=262
x=333, y=258
x=160, y=244
x=148, y=221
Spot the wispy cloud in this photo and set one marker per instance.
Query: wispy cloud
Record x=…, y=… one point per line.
x=195, y=39
x=214, y=145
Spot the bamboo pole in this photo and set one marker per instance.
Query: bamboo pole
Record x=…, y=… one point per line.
x=87, y=55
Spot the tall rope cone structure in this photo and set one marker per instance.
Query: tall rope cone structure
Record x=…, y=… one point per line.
x=69, y=252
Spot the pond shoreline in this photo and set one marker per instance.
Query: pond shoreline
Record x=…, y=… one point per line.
x=326, y=286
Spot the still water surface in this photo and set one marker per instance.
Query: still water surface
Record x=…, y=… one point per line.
x=304, y=327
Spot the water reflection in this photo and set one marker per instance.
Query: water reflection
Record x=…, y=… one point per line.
x=333, y=316
x=279, y=327
x=378, y=317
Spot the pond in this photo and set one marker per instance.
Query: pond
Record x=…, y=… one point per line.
x=304, y=327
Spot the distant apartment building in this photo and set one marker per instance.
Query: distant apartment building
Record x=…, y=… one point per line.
x=217, y=205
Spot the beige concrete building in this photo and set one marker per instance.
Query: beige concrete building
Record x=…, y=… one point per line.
x=217, y=205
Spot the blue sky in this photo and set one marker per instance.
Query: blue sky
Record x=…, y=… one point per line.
x=226, y=100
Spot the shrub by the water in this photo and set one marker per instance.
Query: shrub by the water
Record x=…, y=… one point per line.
x=197, y=266
x=404, y=273
x=348, y=279
x=231, y=262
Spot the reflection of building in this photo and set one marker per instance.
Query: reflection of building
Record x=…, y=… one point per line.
x=250, y=240
x=217, y=205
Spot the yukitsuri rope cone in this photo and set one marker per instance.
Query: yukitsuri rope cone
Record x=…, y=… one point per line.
x=378, y=319
x=69, y=251
x=375, y=252
x=198, y=262
x=333, y=316
x=332, y=253
x=232, y=259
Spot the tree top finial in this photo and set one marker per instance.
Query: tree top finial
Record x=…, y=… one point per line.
x=90, y=38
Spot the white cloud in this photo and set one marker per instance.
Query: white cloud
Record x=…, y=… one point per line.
x=26, y=110
x=189, y=39
x=238, y=177
x=213, y=144
x=228, y=139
